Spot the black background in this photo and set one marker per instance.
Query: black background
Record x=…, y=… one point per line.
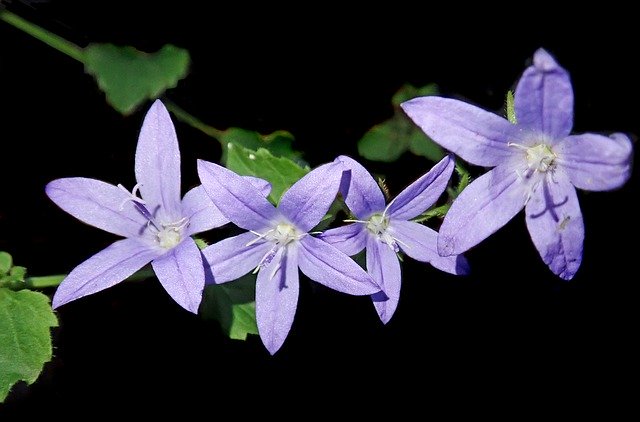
x=511, y=333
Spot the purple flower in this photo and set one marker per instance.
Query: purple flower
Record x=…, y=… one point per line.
x=384, y=230
x=537, y=164
x=157, y=226
x=278, y=243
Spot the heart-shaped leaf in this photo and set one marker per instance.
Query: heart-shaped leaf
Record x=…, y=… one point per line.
x=129, y=77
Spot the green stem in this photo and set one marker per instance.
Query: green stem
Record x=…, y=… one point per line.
x=44, y=281
x=192, y=121
x=47, y=281
x=76, y=52
x=59, y=43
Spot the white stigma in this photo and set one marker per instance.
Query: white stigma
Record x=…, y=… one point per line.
x=541, y=161
x=281, y=235
x=378, y=225
x=170, y=235
x=540, y=158
x=169, y=238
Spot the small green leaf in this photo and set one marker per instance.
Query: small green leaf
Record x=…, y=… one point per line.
x=25, y=340
x=277, y=143
x=129, y=77
x=439, y=211
x=390, y=139
x=279, y=171
x=420, y=144
x=6, y=262
x=511, y=109
x=233, y=306
x=465, y=179
x=386, y=141
x=18, y=273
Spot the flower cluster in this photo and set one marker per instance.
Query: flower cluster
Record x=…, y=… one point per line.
x=537, y=165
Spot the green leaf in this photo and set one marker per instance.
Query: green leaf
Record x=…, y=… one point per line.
x=233, y=306
x=511, y=109
x=465, y=179
x=277, y=143
x=25, y=340
x=420, y=144
x=6, y=262
x=439, y=211
x=279, y=171
x=387, y=141
x=129, y=77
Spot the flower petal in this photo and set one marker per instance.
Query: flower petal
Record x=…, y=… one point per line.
x=421, y=243
x=596, y=162
x=262, y=185
x=231, y=258
x=422, y=193
x=350, y=239
x=277, y=290
x=98, y=204
x=203, y=215
x=103, y=270
x=363, y=195
x=236, y=197
x=309, y=199
x=555, y=223
x=158, y=164
x=544, y=97
x=487, y=204
x=181, y=273
x=476, y=135
x=384, y=267
x=325, y=264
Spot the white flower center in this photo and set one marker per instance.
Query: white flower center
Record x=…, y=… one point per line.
x=169, y=237
x=540, y=158
x=540, y=164
x=283, y=234
x=378, y=225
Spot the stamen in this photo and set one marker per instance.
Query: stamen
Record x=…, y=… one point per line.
x=518, y=146
x=260, y=236
x=384, y=213
x=266, y=259
x=132, y=196
x=177, y=225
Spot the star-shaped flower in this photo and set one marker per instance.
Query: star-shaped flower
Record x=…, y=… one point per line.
x=157, y=226
x=278, y=242
x=384, y=229
x=538, y=165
